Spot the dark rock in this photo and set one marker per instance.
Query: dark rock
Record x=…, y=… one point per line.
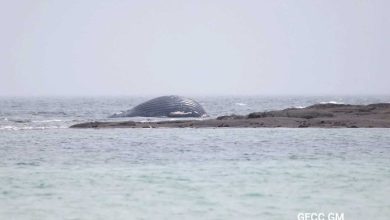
x=291, y=113
x=320, y=115
x=257, y=115
x=97, y=124
x=326, y=106
x=380, y=105
x=226, y=117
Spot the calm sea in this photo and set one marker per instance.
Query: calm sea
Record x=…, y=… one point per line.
x=48, y=171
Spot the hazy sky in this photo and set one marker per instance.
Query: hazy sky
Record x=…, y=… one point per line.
x=124, y=47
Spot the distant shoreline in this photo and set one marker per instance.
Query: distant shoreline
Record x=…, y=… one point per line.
x=318, y=116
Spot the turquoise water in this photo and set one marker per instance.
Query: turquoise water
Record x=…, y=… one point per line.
x=194, y=173
x=52, y=172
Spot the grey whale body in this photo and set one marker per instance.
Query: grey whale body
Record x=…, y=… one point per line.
x=165, y=106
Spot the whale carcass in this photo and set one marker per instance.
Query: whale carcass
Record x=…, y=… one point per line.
x=165, y=106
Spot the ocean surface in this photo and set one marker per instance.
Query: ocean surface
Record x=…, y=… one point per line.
x=48, y=171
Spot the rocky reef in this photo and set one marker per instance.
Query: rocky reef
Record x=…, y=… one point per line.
x=319, y=115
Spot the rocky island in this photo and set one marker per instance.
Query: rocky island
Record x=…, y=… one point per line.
x=318, y=115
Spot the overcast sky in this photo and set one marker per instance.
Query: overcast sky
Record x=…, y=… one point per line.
x=211, y=47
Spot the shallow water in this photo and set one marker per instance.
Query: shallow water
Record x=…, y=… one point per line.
x=59, y=173
x=18, y=113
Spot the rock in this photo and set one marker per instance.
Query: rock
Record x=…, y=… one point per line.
x=319, y=115
x=97, y=124
x=226, y=117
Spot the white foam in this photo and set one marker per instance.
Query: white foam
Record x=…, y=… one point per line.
x=48, y=121
x=15, y=128
x=179, y=113
x=331, y=102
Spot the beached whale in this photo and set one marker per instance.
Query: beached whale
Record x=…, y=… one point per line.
x=165, y=106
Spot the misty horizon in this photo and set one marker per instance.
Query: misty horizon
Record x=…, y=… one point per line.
x=194, y=48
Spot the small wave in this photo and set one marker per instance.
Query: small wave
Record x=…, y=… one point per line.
x=299, y=106
x=27, y=164
x=48, y=121
x=241, y=104
x=48, y=113
x=332, y=102
x=20, y=120
x=15, y=128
